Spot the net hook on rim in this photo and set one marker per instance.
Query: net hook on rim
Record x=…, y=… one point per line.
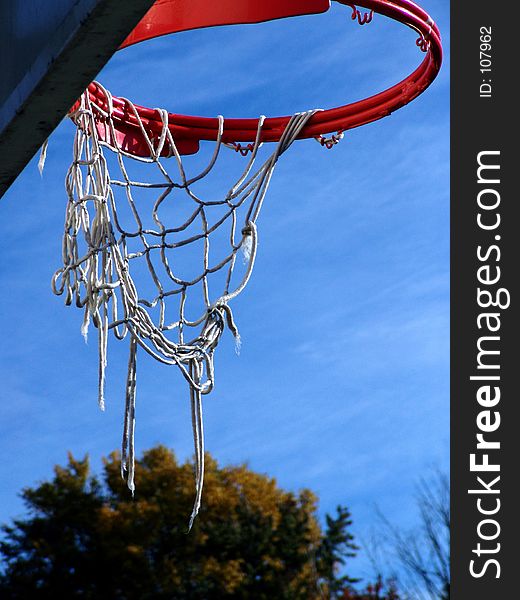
x=362, y=19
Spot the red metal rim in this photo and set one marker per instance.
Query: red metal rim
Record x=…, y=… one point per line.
x=192, y=129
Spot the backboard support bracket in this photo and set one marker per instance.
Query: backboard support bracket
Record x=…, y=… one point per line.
x=96, y=28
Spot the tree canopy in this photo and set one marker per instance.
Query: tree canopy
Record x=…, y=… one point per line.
x=86, y=537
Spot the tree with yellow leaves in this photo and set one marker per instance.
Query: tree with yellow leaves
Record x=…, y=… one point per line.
x=88, y=539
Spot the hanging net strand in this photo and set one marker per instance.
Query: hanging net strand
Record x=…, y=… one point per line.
x=120, y=253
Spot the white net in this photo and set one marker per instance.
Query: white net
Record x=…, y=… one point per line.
x=125, y=262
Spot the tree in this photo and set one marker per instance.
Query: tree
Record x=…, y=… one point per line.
x=337, y=546
x=86, y=538
x=379, y=590
x=423, y=553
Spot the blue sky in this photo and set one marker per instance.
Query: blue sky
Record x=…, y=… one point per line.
x=342, y=382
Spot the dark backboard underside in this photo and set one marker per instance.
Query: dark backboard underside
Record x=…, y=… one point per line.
x=49, y=53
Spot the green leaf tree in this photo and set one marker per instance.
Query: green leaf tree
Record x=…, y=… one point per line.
x=89, y=539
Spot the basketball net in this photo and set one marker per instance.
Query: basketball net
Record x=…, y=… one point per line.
x=124, y=249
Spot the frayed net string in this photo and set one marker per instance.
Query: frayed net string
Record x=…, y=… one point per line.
x=99, y=254
x=128, y=446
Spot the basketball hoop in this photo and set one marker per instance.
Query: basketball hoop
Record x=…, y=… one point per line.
x=100, y=251
x=188, y=131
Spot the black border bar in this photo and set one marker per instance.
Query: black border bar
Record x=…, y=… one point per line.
x=485, y=256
